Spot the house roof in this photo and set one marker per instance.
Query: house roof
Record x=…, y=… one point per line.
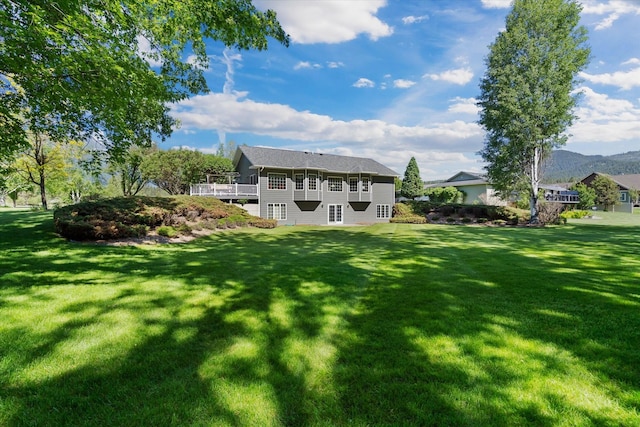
x=467, y=176
x=289, y=159
x=625, y=182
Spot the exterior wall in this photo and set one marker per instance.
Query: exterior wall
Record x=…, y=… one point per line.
x=474, y=193
x=313, y=207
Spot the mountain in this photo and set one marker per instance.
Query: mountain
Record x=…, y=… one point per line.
x=567, y=166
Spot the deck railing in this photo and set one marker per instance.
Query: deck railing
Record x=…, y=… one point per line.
x=229, y=191
x=563, y=198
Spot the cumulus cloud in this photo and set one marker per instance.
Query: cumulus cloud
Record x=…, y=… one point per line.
x=496, y=4
x=460, y=76
x=235, y=113
x=408, y=20
x=632, y=61
x=463, y=106
x=613, y=10
x=330, y=21
x=362, y=82
x=403, y=84
x=335, y=64
x=623, y=79
x=605, y=119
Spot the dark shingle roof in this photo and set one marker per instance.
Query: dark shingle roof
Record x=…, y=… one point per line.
x=288, y=159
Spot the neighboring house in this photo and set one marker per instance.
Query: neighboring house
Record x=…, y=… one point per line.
x=476, y=188
x=298, y=187
x=625, y=183
x=560, y=193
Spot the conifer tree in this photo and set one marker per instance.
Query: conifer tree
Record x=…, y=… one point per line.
x=412, y=185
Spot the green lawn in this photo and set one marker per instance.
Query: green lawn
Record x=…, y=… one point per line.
x=391, y=324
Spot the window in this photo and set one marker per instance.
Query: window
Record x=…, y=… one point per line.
x=353, y=185
x=335, y=184
x=365, y=185
x=277, y=181
x=313, y=182
x=623, y=196
x=299, y=181
x=277, y=211
x=383, y=211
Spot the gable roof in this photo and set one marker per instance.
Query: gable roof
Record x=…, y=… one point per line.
x=625, y=182
x=467, y=176
x=289, y=159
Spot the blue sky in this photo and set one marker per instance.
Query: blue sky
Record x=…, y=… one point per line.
x=392, y=79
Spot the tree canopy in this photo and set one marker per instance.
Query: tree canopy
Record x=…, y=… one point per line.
x=607, y=191
x=107, y=69
x=527, y=92
x=412, y=185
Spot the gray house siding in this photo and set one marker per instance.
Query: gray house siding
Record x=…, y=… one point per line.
x=365, y=197
x=356, y=207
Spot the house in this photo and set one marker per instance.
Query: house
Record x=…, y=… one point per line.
x=476, y=188
x=300, y=187
x=625, y=183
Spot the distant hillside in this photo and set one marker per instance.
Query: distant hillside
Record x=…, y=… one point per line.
x=567, y=166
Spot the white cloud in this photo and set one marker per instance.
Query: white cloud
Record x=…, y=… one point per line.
x=460, y=76
x=335, y=64
x=362, y=82
x=305, y=65
x=632, y=61
x=235, y=113
x=614, y=9
x=329, y=21
x=403, y=84
x=496, y=4
x=408, y=20
x=603, y=119
x=147, y=53
x=464, y=106
x=623, y=79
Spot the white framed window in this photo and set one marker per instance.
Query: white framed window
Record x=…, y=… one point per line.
x=353, y=185
x=623, y=196
x=335, y=183
x=299, y=178
x=383, y=211
x=365, y=184
x=277, y=181
x=277, y=211
x=313, y=182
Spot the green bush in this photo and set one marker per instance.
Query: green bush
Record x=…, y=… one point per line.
x=167, y=231
x=409, y=219
x=262, y=223
x=577, y=214
x=466, y=220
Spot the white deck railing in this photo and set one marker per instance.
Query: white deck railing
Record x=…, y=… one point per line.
x=225, y=190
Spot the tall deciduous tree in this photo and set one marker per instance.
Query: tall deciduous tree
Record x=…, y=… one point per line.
x=412, y=185
x=527, y=92
x=109, y=68
x=587, y=195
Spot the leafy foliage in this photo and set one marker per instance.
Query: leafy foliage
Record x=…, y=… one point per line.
x=527, y=93
x=125, y=217
x=78, y=68
x=587, y=195
x=412, y=185
x=606, y=190
x=444, y=195
x=175, y=170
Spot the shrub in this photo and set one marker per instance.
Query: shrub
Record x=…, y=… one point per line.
x=262, y=223
x=435, y=218
x=451, y=219
x=481, y=220
x=184, y=229
x=167, y=231
x=499, y=222
x=577, y=214
x=466, y=220
x=409, y=219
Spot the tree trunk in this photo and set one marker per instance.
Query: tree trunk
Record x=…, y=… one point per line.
x=43, y=191
x=535, y=187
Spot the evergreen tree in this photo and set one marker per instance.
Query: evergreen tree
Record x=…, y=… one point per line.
x=412, y=185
